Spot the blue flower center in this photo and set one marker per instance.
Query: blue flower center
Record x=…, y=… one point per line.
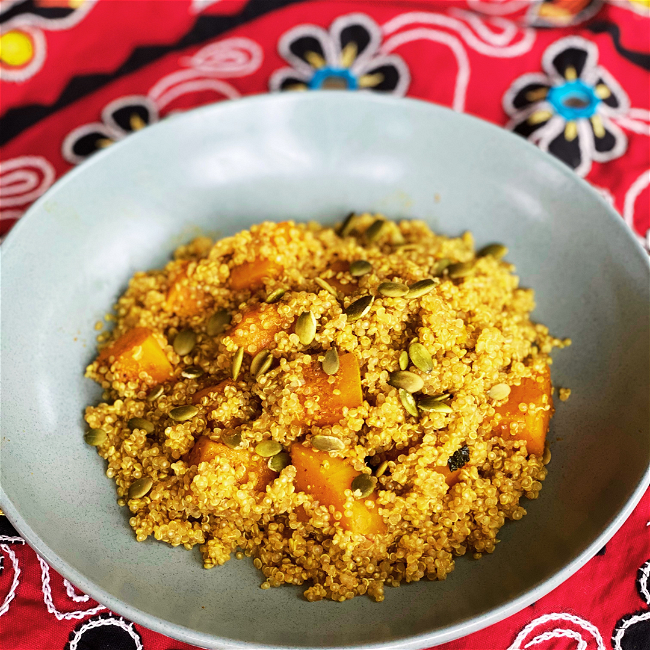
x=333, y=79
x=574, y=100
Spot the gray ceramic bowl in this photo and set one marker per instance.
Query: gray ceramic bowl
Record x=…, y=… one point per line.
x=318, y=156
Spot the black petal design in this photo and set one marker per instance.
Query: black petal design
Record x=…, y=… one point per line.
x=522, y=99
x=89, y=143
x=571, y=56
x=289, y=83
x=605, y=143
x=566, y=150
x=123, y=116
x=305, y=44
x=30, y=8
x=357, y=34
x=391, y=77
x=525, y=128
x=612, y=101
x=105, y=632
x=635, y=637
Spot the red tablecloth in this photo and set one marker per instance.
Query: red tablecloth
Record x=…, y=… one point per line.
x=570, y=75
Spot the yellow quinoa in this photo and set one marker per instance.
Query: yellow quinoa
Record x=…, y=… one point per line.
x=476, y=328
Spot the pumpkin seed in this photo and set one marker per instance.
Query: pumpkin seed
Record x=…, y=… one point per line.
x=95, y=437
x=376, y=230
x=363, y=486
x=420, y=357
x=347, y=225
x=268, y=448
x=218, y=322
x=396, y=237
x=493, y=250
x=266, y=364
x=359, y=308
x=441, y=265
x=440, y=397
x=236, y=363
x=360, y=267
x=182, y=413
x=323, y=284
x=184, y=342
x=421, y=288
x=431, y=404
x=306, y=327
x=327, y=443
x=274, y=296
x=192, y=372
x=546, y=458
x=408, y=402
x=258, y=361
x=140, y=423
x=278, y=462
x=139, y=488
x=409, y=381
x=499, y=391
x=393, y=289
x=460, y=270
x=331, y=362
x=403, y=360
x=155, y=393
x=381, y=470
x=232, y=441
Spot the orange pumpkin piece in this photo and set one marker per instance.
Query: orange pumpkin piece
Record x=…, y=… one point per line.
x=450, y=477
x=257, y=329
x=345, y=289
x=183, y=298
x=206, y=450
x=251, y=275
x=326, y=479
x=204, y=392
x=347, y=383
x=135, y=352
x=532, y=425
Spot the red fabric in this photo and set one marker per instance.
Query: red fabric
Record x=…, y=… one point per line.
x=59, y=72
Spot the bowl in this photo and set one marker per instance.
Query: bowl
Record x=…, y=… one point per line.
x=222, y=168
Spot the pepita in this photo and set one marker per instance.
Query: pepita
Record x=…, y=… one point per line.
x=441, y=265
x=278, y=462
x=460, y=270
x=359, y=308
x=493, y=250
x=393, y=289
x=408, y=402
x=155, y=393
x=95, y=437
x=381, y=470
x=274, y=296
x=499, y=391
x=376, y=230
x=360, y=267
x=331, y=362
x=409, y=381
x=258, y=361
x=403, y=360
x=140, y=488
x=441, y=397
x=218, y=322
x=184, y=342
x=431, y=404
x=232, y=441
x=363, y=486
x=140, y=423
x=306, y=327
x=182, y=413
x=268, y=448
x=420, y=357
x=421, y=288
x=347, y=225
x=264, y=368
x=236, y=363
x=546, y=458
x=396, y=237
x=323, y=284
x=327, y=443
x=192, y=372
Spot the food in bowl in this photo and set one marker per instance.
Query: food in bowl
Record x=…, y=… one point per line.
x=351, y=408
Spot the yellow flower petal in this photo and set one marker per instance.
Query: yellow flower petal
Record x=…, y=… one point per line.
x=570, y=131
x=599, y=129
x=136, y=122
x=537, y=94
x=602, y=91
x=540, y=116
x=315, y=60
x=370, y=80
x=570, y=73
x=349, y=54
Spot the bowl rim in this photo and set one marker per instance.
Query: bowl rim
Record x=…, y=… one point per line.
x=426, y=639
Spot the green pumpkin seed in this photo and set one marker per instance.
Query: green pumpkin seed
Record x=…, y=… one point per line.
x=360, y=267
x=140, y=488
x=155, y=393
x=218, y=322
x=430, y=403
x=258, y=361
x=420, y=357
x=192, y=372
x=381, y=470
x=268, y=448
x=403, y=360
x=327, y=443
x=441, y=265
x=359, y=308
x=232, y=441
x=376, y=229
x=184, y=342
x=421, y=288
x=440, y=397
x=306, y=327
x=264, y=367
x=393, y=289
x=493, y=250
x=140, y=423
x=331, y=362
x=546, y=458
x=274, y=296
x=347, y=225
x=460, y=270
x=363, y=486
x=182, y=413
x=95, y=437
x=499, y=391
x=278, y=462
x=409, y=381
x=323, y=284
x=408, y=402
x=236, y=363
x=396, y=237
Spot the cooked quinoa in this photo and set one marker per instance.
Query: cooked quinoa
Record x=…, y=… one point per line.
x=474, y=325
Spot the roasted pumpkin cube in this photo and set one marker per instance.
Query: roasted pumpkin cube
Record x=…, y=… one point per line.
x=257, y=329
x=251, y=275
x=451, y=478
x=135, y=352
x=532, y=424
x=344, y=392
x=206, y=450
x=347, y=289
x=183, y=297
x=326, y=479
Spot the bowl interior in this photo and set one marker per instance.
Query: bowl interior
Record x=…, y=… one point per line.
x=223, y=168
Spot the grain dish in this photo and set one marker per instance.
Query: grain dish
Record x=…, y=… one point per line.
x=352, y=407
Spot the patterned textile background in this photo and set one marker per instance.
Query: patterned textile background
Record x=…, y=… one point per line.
x=572, y=76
